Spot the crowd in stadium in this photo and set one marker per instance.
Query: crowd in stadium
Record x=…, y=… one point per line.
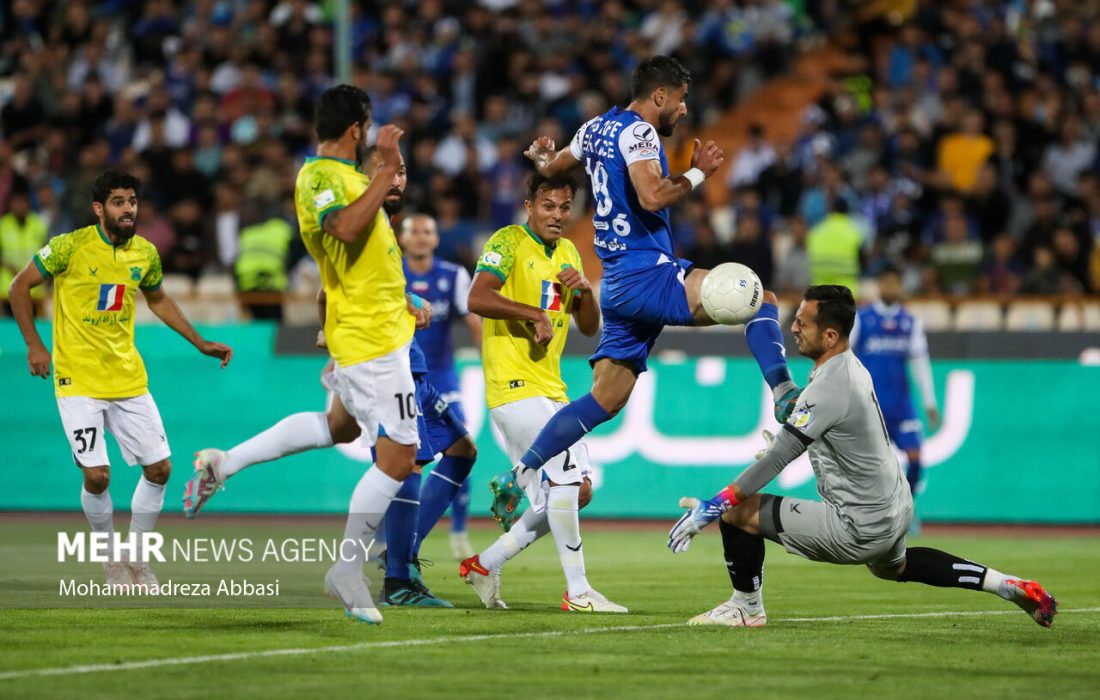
x=962, y=150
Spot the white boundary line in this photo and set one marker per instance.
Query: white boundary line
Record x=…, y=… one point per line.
x=432, y=641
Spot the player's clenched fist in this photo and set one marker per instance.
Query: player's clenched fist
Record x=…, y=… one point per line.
x=388, y=136
x=571, y=277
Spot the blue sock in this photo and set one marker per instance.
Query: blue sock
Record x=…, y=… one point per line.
x=460, y=508
x=564, y=429
x=765, y=339
x=401, y=527
x=912, y=475
x=440, y=487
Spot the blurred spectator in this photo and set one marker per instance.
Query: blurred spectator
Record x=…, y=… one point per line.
x=989, y=204
x=22, y=118
x=261, y=265
x=957, y=258
x=792, y=274
x=461, y=144
x=1001, y=272
x=833, y=246
x=752, y=246
x=22, y=233
x=1044, y=276
x=962, y=153
x=1069, y=156
x=752, y=160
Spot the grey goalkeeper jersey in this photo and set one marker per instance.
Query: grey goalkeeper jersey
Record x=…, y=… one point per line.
x=837, y=419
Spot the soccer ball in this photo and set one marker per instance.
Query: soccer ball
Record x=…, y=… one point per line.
x=732, y=294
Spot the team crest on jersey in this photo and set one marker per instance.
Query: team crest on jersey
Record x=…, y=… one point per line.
x=801, y=418
x=111, y=297
x=135, y=274
x=551, y=296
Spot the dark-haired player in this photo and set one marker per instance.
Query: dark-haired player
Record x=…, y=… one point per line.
x=529, y=283
x=645, y=286
x=101, y=382
x=865, y=509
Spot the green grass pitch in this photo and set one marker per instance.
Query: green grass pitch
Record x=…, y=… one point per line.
x=833, y=632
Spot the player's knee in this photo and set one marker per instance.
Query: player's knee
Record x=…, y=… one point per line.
x=584, y=497
x=464, y=447
x=888, y=573
x=158, y=473
x=96, y=479
x=770, y=298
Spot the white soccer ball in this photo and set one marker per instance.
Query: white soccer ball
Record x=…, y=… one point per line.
x=732, y=294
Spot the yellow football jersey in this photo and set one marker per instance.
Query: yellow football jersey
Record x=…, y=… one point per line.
x=515, y=367
x=93, y=320
x=366, y=315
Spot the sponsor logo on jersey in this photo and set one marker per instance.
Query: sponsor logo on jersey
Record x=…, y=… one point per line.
x=111, y=297
x=551, y=296
x=492, y=258
x=324, y=199
x=515, y=383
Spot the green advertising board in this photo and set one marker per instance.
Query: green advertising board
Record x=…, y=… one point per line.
x=1020, y=441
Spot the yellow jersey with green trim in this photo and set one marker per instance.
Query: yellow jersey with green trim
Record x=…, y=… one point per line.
x=366, y=315
x=94, y=286
x=515, y=367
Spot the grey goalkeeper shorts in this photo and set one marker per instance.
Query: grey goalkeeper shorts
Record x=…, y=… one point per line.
x=815, y=530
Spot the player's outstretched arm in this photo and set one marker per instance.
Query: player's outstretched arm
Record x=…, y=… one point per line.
x=655, y=191
x=548, y=162
x=167, y=310
x=38, y=357
x=487, y=301
x=356, y=219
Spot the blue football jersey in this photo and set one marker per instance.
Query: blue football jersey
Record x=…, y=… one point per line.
x=446, y=287
x=627, y=236
x=417, y=365
x=884, y=340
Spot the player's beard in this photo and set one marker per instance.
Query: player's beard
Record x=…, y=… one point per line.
x=394, y=201
x=667, y=124
x=120, y=234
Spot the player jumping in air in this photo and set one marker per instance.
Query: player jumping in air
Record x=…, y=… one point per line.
x=888, y=340
x=865, y=508
x=645, y=287
x=445, y=286
x=529, y=283
x=101, y=380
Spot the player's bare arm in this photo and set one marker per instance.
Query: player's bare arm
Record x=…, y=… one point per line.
x=355, y=220
x=420, y=309
x=486, y=300
x=38, y=357
x=548, y=161
x=586, y=310
x=655, y=191
x=473, y=325
x=168, y=311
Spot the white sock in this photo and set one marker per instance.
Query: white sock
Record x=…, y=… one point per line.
x=527, y=529
x=994, y=583
x=369, y=502
x=145, y=508
x=751, y=601
x=293, y=434
x=100, y=512
x=561, y=511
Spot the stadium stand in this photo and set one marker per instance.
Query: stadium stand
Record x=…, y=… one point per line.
x=961, y=136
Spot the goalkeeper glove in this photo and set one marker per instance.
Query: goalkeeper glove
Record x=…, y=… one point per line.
x=699, y=515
